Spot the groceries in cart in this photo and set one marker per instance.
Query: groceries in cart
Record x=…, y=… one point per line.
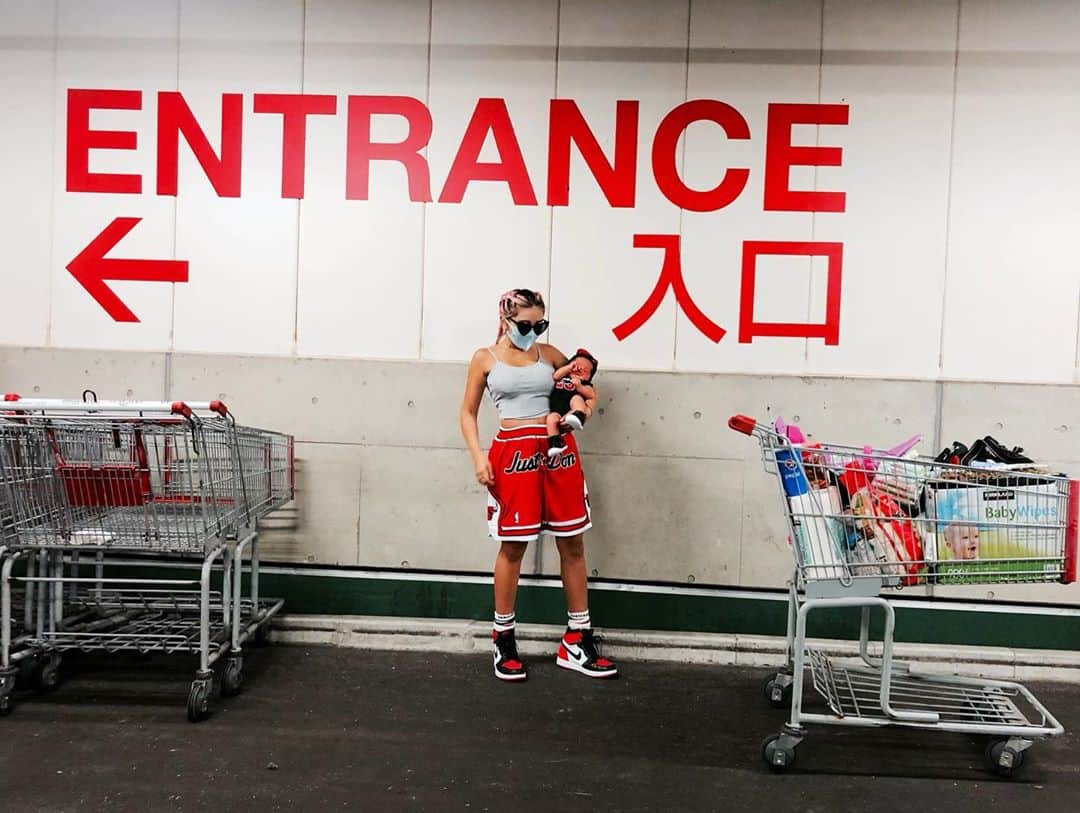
x=972, y=511
x=862, y=519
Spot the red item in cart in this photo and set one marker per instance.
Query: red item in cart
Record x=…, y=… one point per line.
x=900, y=533
x=857, y=475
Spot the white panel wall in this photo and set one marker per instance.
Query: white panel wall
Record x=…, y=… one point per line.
x=597, y=278
x=959, y=162
x=747, y=58
x=893, y=63
x=360, y=261
x=1013, y=284
x=476, y=249
x=27, y=107
x=242, y=295
x=119, y=46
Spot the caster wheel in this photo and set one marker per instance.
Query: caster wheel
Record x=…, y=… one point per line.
x=49, y=678
x=198, y=704
x=6, y=705
x=1003, y=760
x=232, y=679
x=776, y=693
x=778, y=757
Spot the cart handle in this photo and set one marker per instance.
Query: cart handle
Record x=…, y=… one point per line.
x=184, y=408
x=742, y=423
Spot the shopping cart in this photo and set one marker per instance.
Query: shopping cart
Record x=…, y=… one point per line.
x=861, y=521
x=109, y=508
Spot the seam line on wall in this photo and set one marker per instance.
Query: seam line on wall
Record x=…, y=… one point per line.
x=424, y=206
x=1076, y=360
x=52, y=170
x=299, y=202
x=682, y=173
x=813, y=215
x=175, y=208
x=949, y=190
x=551, y=209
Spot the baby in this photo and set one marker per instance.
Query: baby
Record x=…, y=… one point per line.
x=572, y=399
x=962, y=540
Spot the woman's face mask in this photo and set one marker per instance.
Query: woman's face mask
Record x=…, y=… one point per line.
x=521, y=342
x=523, y=334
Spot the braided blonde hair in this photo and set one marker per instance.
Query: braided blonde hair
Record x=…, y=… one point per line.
x=515, y=299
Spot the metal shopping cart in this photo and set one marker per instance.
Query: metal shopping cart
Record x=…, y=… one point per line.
x=128, y=523
x=860, y=522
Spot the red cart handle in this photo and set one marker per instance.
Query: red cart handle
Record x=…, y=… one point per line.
x=742, y=423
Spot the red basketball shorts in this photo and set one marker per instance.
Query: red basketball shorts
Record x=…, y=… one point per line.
x=532, y=493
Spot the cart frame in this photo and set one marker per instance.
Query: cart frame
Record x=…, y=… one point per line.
x=877, y=691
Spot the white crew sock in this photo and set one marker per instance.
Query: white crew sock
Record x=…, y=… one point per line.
x=579, y=621
x=505, y=621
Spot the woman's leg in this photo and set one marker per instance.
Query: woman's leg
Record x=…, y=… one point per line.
x=578, y=650
x=507, y=571
x=575, y=577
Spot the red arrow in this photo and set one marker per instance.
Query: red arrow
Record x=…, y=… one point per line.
x=92, y=268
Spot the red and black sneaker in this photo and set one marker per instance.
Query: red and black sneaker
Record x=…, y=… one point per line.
x=508, y=665
x=579, y=652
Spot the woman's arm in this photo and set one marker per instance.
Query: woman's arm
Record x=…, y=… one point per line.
x=587, y=391
x=470, y=406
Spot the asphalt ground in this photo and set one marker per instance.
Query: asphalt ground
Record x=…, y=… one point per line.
x=320, y=728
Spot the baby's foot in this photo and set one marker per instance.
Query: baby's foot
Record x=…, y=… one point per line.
x=555, y=446
x=575, y=420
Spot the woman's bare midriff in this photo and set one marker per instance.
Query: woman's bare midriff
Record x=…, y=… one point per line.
x=511, y=423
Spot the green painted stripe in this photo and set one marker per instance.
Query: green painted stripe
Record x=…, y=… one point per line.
x=723, y=611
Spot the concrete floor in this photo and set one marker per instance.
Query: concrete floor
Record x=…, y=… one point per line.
x=322, y=728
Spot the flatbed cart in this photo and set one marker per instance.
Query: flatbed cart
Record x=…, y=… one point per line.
x=862, y=522
x=100, y=495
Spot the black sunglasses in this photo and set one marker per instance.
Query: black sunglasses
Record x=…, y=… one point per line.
x=523, y=327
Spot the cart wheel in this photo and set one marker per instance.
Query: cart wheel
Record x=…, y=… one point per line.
x=232, y=679
x=198, y=703
x=1003, y=760
x=49, y=677
x=5, y=705
x=778, y=757
x=777, y=694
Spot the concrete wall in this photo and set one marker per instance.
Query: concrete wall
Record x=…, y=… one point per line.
x=383, y=478
x=943, y=168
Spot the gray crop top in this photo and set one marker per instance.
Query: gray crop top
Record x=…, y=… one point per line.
x=521, y=392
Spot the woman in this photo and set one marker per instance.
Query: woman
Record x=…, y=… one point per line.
x=529, y=493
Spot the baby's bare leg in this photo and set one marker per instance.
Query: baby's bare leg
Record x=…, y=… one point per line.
x=579, y=404
x=552, y=421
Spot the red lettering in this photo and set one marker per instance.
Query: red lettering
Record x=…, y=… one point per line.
x=830, y=330
x=490, y=116
x=664, y=154
x=671, y=276
x=294, y=109
x=617, y=179
x=361, y=151
x=175, y=117
x=81, y=139
x=781, y=155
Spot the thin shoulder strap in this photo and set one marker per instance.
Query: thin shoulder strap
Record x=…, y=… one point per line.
x=492, y=351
